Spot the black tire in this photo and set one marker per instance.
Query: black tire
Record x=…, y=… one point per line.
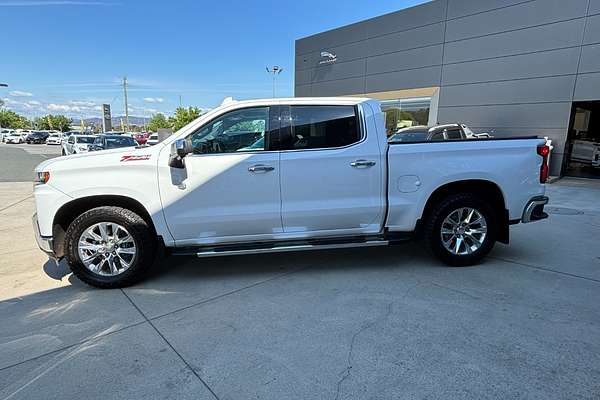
x=433, y=228
x=142, y=234
x=62, y=152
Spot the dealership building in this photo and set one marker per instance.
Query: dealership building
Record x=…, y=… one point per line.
x=505, y=67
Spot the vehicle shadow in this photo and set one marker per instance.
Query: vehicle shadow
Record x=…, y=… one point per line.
x=56, y=271
x=169, y=268
x=187, y=269
x=405, y=255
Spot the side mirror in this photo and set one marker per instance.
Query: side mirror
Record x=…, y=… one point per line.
x=182, y=147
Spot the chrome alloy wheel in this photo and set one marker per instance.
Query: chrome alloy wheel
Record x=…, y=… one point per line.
x=463, y=231
x=107, y=249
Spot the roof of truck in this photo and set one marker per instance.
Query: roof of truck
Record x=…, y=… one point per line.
x=299, y=100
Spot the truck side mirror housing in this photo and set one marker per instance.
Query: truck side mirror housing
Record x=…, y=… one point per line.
x=182, y=147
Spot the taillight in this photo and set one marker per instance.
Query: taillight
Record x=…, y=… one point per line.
x=544, y=150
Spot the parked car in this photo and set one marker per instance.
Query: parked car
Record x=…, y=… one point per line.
x=434, y=133
x=483, y=135
x=152, y=139
x=109, y=211
x=76, y=144
x=15, y=137
x=54, y=138
x=37, y=137
x=105, y=142
x=141, y=137
x=586, y=152
x=4, y=133
x=69, y=133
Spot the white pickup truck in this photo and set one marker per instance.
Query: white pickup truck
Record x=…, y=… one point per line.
x=283, y=175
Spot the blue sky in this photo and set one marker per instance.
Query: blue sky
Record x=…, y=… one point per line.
x=68, y=56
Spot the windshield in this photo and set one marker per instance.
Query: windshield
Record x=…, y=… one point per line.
x=122, y=141
x=85, y=139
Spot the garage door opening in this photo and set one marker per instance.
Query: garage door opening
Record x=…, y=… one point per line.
x=583, y=145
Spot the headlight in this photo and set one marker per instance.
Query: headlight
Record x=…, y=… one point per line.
x=41, y=177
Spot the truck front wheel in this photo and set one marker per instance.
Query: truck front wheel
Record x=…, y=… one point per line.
x=110, y=247
x=461, y=229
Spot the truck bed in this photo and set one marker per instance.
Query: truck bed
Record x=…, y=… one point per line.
x=417, y=169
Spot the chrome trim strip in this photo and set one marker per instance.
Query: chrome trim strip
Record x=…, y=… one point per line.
x=533, y=203
x=281, y=249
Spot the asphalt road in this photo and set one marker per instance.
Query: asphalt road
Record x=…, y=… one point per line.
x=371, y=323
x=17, y=161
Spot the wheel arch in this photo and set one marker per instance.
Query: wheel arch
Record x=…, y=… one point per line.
x=71, y=210
x=486, y=189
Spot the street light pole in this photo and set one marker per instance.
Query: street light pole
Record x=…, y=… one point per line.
x=275, y=70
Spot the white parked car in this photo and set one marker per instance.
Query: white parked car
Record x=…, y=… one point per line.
x=55, y=138
x=16, y=137
x=152, y=139
x=586, y=152
x=315, y=173
x=4, y=133
x=76, y=144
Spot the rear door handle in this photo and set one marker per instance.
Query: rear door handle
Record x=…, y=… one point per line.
x=362, y=163
x=260, y=168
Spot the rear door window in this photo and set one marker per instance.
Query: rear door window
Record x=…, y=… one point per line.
x=320, y=127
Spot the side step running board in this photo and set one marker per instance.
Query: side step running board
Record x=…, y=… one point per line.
x=215, y=252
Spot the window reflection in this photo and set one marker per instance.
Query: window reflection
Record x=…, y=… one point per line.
x=403, y=113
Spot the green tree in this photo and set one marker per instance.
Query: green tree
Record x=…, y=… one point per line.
x=184, y=116
x=53, y=122
x=157, y=122
x=12, y=120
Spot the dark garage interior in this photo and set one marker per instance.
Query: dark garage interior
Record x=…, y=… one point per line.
x=583, y=145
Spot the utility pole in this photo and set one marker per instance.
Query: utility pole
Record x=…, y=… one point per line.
x=1, y=101
x=126, y=105
x=180, y=106
x=275, y=70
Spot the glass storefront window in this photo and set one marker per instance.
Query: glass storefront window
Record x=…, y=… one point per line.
x=403, y=113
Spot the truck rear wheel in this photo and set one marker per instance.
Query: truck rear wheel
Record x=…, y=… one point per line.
x=110, y=247
x=461, y=229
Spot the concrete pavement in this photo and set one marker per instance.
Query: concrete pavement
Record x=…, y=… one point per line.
x=365, y=323
x=19, y=160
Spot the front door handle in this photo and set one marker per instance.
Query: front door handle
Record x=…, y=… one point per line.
x=260, y=168
x=362, y=163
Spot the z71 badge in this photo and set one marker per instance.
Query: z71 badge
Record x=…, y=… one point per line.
x=135, y=158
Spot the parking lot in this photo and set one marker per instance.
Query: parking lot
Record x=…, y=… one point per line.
x=19, y=160
x=366, y=323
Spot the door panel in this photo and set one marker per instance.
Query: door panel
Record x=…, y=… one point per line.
x=217, y=196
x=229, y=189
x=331, y=190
